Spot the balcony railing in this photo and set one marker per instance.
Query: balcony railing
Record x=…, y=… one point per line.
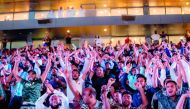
x=137, y=11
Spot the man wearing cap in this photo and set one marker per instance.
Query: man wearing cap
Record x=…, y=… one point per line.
x=170, y=98
x=32, y=86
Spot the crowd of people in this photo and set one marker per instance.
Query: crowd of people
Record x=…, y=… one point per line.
x=128, y=76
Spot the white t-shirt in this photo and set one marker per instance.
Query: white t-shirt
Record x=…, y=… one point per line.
x=155, y=37
x=78, y=85
x=60, y=13
x=98, y=41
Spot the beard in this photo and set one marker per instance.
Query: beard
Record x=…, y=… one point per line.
x=125, y=104
x=75, y=78
x=55, y=107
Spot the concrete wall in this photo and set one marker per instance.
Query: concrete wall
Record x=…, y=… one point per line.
x=93, y=21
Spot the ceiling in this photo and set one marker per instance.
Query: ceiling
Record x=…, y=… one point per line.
x=25, y=5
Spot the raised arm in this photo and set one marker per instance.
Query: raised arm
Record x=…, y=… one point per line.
x=180, y=104
x=120, y=51
x=15, y=68
x=66, y=74
x=135, y=50
x=155, y=77
x=87, y=65
x=145, y=47
x=143, y=96
x=163, y=72
x=181, y=70
x=44, y=75
x=73, y=89
x=105, y=89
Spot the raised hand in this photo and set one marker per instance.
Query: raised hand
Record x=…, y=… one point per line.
x=50, y=56
x=111, y=81
x=67, y=75
x=49, y=87
x=59, y=53
x=17, y=59
x=103, y=88
x=138, y=86
x=187, y=94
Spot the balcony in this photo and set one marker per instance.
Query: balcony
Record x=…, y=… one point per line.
x=103, y=16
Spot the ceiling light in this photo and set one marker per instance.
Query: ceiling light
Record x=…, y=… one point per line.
x=105, y=5
x=68, y=31
x=187, y=3
x=70, y=7
x=105, y=30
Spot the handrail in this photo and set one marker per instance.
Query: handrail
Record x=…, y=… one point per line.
x=100, y=8
x=109, y=10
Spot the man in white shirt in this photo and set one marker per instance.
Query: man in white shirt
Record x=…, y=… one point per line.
x=155, y=37
x=77, y=82
x=60, y=12
x=57, y=100
x=77, y=78
x=51, y=14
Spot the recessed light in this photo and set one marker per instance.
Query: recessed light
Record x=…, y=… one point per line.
x=68, y=31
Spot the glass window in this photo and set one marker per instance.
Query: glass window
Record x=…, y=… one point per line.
x=6, y=17
x=21, y=16
x=135, y=11
x=173, y=10
x=41, y=15
x=118, y=12
x=185, y=10
x=157, y=11
x=103, y=12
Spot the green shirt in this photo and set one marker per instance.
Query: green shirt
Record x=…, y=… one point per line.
x=99, y=105
x=31, y=90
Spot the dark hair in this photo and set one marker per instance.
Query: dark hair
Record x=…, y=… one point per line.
x=168, y=78
x=91, y=90
x=99, y=66
x=126, y=92
x=171, y=81
x=34, y=72
x=141, y=76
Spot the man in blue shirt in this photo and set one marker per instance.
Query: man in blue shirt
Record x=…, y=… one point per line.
x=143, y=95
